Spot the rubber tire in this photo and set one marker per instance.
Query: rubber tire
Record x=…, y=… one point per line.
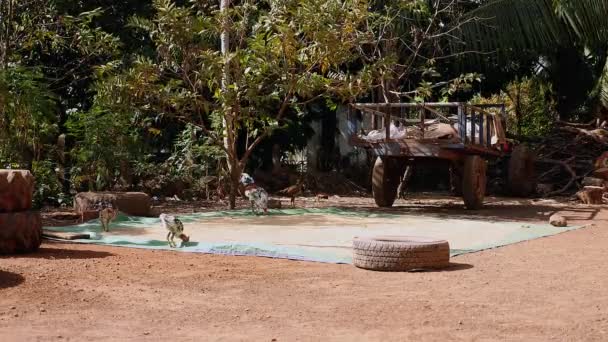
x=386, y=176
x=400, y=253
x=474, y=182
x=20, y=232
x=521, y=174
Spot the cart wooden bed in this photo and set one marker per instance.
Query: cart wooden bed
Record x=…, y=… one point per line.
x=479, y=136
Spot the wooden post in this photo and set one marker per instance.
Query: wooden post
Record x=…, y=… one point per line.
x=472, y=126
x=489, y=131
x=375, y=119
x=481, y=136
x=462, y=121
x=387, y=124
x=422, y=114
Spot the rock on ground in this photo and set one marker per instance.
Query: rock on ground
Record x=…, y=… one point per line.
x=557, y=220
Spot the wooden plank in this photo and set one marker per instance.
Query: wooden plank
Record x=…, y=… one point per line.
x=481, y=136
x=462, y=120
x=53, y=234
x=472, y=125
x=489, y=131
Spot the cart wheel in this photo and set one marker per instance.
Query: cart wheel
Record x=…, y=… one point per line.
x=385, y=180
x=474, y=182
x=456, y=180
x=521, y=176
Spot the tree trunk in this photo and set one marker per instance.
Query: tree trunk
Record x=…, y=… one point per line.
x=233, y=193
x=228, y=120
x=234, y=173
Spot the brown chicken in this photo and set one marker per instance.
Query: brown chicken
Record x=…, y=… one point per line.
x=293, y=192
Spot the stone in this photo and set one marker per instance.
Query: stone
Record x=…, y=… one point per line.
x=20, y=232
x=130, y=203
x=16, y=190
x=557, y=220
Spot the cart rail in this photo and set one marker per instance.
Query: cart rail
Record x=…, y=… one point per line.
x=477, y=125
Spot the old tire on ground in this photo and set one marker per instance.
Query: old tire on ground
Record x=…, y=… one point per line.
x=400, y=253
x=20, y=232
x=386, y=176
x=16, y=190
x=131, y=203
x=474, y=182
x=521, y=177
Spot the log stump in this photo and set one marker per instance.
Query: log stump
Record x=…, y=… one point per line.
x=16, y=190
x=591, y=195
x=130, y=203
x=20, y=227
x=20, y=232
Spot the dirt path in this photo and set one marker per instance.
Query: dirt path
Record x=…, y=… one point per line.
x=546, y=289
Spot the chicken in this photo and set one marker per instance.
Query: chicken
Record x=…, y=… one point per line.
x=293, y=191
x=175, y=227
x=256, y=195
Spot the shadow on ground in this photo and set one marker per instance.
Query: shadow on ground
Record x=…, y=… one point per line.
x=454, y=266
x=10, y=279
x=54, y=253
x=524, y=210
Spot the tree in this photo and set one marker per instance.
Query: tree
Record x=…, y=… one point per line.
x=569, y=39
x=34, y=39
x=418, y=36
x=283, y=54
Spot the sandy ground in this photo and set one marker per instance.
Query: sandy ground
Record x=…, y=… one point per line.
x=547, y=289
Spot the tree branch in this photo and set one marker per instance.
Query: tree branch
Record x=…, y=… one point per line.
x=280, y=114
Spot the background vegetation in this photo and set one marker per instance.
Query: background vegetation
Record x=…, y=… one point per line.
x=134, y=94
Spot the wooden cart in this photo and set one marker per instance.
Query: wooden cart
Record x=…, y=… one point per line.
x=463, y=134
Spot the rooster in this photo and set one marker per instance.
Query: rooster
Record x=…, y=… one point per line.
x=256, y=195
x=293, y=191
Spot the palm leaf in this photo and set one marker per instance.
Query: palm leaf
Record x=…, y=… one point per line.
x=538, y=25
x=602, y=87
x=586, y=18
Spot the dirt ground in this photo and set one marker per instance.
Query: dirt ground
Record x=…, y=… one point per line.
x=546, y=289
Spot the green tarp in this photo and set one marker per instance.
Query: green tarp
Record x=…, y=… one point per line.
x=323, y=235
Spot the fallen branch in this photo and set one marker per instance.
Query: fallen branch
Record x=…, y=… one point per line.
x=568, y=168
x=592, y=134
x=590, y=124
x=556, y=167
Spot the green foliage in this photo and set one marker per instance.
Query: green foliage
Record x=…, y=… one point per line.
x=281, y=57
x=568, y=37
x=193, y=156
x=530, y=108
x=539, y=25
x=146, y=98
x=104, y=140
x=28, y=123
x=48, y=187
